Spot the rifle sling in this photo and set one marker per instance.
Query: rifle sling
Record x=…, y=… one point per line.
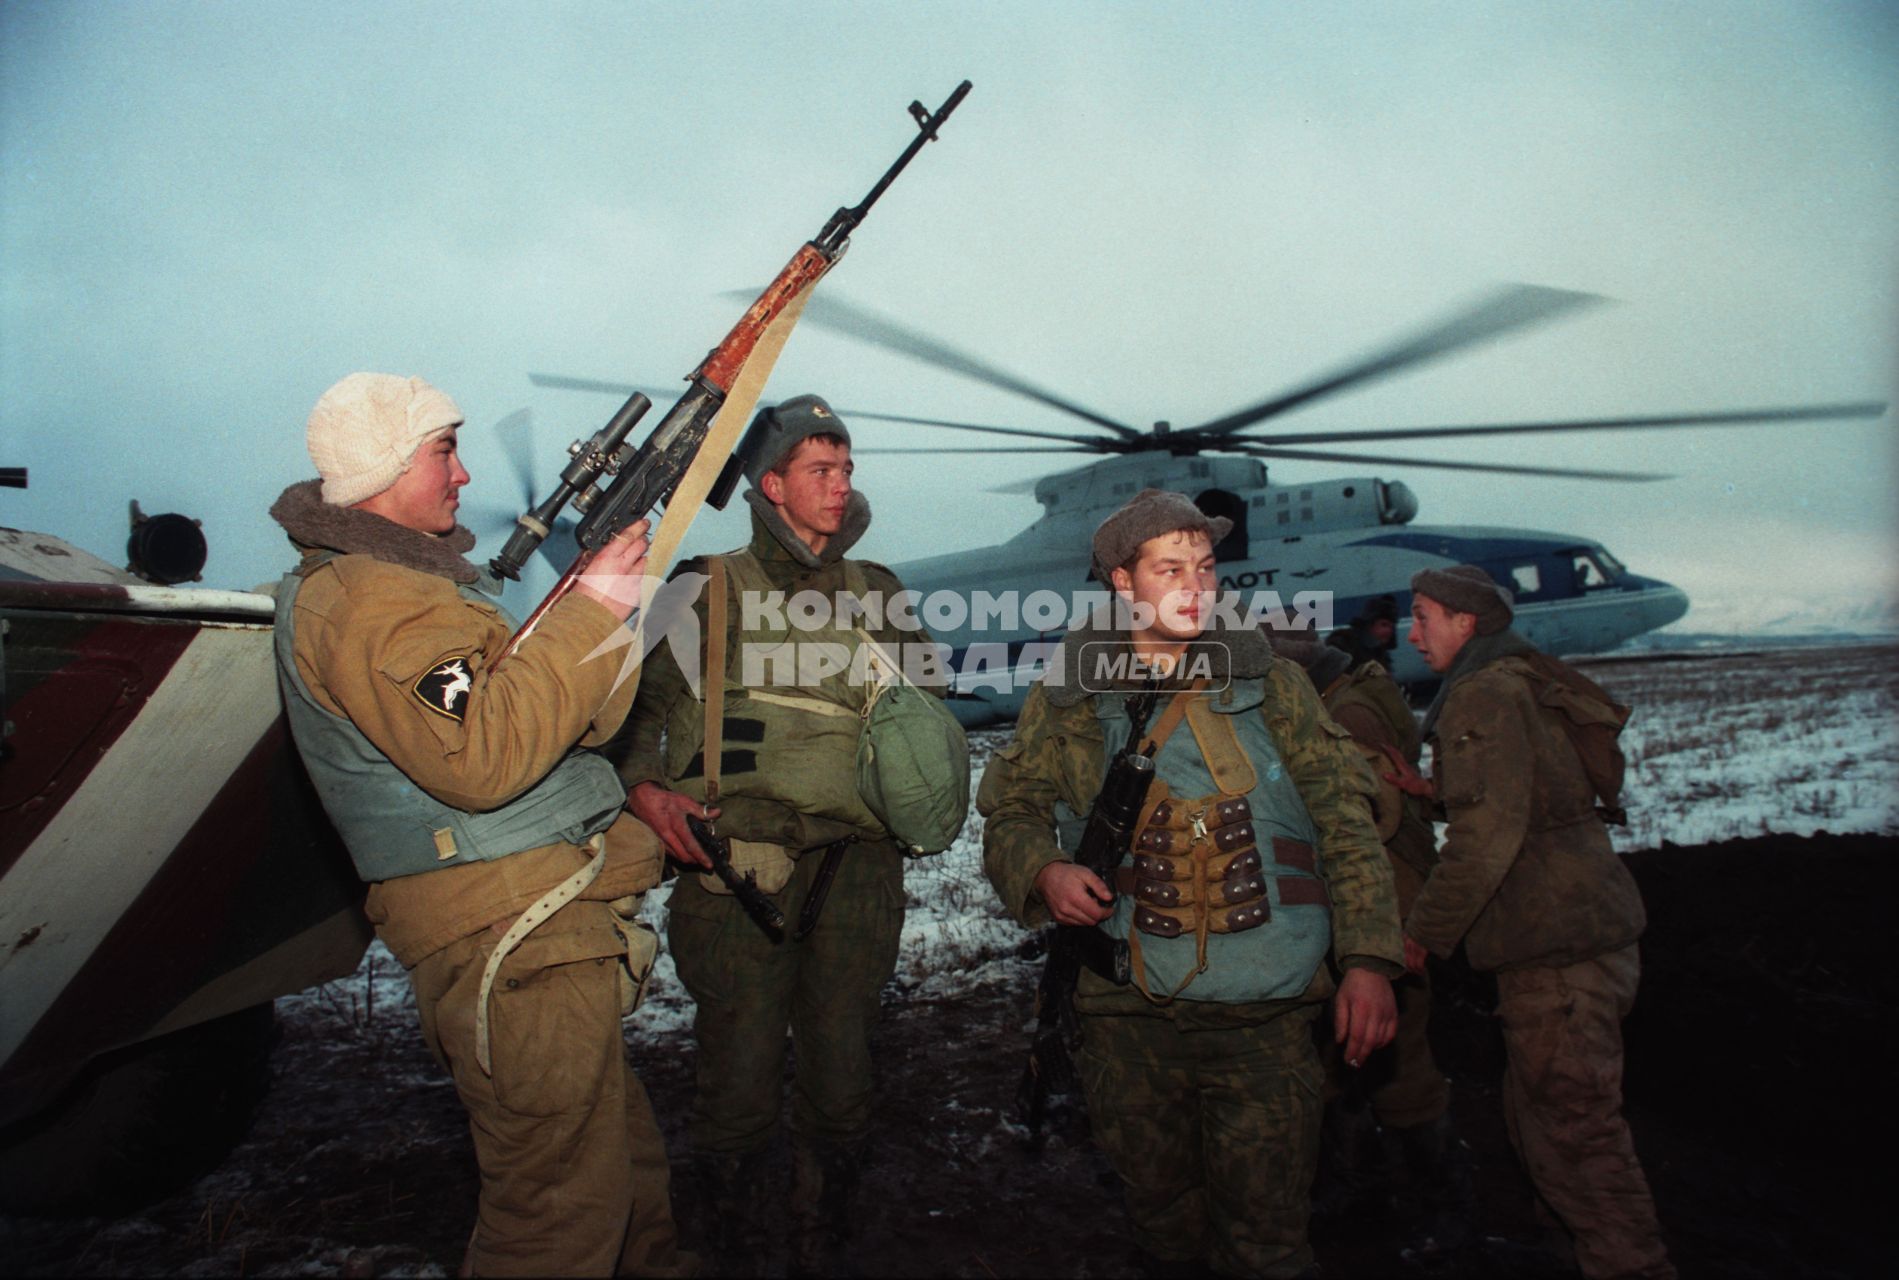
x=1176, y=711
x=714, y=676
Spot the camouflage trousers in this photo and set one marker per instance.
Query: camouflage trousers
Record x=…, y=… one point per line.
x=1215, y=1133
x=574, y=1179
x=824, y=990
x=1562, y=1029
x=1402, y=1080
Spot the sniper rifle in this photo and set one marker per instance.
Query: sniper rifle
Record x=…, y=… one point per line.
x=644, y=477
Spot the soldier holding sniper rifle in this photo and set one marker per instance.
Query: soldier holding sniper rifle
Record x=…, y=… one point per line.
x=503, y=870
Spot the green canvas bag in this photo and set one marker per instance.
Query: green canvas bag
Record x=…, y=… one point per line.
x=913, y=764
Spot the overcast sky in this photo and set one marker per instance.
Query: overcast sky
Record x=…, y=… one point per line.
x=211, y=211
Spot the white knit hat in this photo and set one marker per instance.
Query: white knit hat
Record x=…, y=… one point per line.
x=365, y=430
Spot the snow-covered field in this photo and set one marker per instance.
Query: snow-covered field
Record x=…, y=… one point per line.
x=1725, y=744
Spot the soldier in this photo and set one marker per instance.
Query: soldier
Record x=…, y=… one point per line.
x=1371, y=635
x=1527, y=879
x=466, y=796
x=1400, y=1085
x=1201, y=1079
x=782, y=787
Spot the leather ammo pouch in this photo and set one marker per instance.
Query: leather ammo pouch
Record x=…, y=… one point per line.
x=1188, y=868
x=1197, y=868
x=769, y=865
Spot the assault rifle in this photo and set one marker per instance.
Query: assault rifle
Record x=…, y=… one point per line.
x=642, y=478
x=745, y=888
x=1104, y=845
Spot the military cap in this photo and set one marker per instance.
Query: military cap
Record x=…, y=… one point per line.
x=1466, y=588
x=778, y=430
x=1150, y=514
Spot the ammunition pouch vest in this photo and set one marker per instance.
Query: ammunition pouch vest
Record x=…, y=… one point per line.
x=392, y=827
x=1223, y=901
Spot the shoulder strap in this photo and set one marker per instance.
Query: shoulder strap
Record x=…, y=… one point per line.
x=312, y=563
x=714, y=675
x=1176, y=711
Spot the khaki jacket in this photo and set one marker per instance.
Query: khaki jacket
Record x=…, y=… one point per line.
x=366, y=630
x=1526, y=875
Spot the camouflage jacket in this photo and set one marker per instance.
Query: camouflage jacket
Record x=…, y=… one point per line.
x=641, y=753
x=1368, y=704
x=1058, y=754
x=1526, y=874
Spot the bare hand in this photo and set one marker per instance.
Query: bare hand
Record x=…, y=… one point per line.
x=1364, y=1014
x=1415, y=954
x=1406, y=778
x=1074, y=894
x=613, y=578
x=665, y=812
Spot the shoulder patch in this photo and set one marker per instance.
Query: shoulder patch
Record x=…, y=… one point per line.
x=444, y=687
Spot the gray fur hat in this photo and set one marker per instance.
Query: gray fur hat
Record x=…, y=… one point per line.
x=780, y=428
x=1150, y=514
x=1466, y=588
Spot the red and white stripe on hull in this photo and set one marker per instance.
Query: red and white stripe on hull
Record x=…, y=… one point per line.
x=93, y=858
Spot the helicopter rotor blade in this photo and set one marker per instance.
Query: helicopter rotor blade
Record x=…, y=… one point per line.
x=516, y=434
x=1094, y=444
x=851, y=320
x=1514, y=307
x=562, y=382
x=1326, y=455
x=1025, y=448
x=1734, y=417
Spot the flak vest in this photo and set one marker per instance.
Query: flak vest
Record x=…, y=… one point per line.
x=794, y=705
x=1223, y=901
x=392, y=827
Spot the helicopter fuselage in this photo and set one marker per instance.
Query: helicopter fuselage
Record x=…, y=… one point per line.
x=1316, y=552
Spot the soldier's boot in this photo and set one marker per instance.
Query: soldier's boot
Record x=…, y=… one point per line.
x=733, y=1195
x=1439, y=1167
x=1353, y=1176
x=824, y=1177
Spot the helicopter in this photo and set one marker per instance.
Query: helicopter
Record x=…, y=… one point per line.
x=1314, y=551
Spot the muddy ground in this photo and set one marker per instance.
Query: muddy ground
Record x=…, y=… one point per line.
x=1760, y=1057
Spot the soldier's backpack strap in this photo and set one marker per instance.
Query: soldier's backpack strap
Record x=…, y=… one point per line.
x=714, y=675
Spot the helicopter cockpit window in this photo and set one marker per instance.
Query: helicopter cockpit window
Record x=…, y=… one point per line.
x=1589, y=574
x=1224, y=502
x=1525, y=580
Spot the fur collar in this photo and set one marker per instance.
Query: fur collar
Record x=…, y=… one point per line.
x=856, y=525
x=312, y=522
x=1237, y=654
